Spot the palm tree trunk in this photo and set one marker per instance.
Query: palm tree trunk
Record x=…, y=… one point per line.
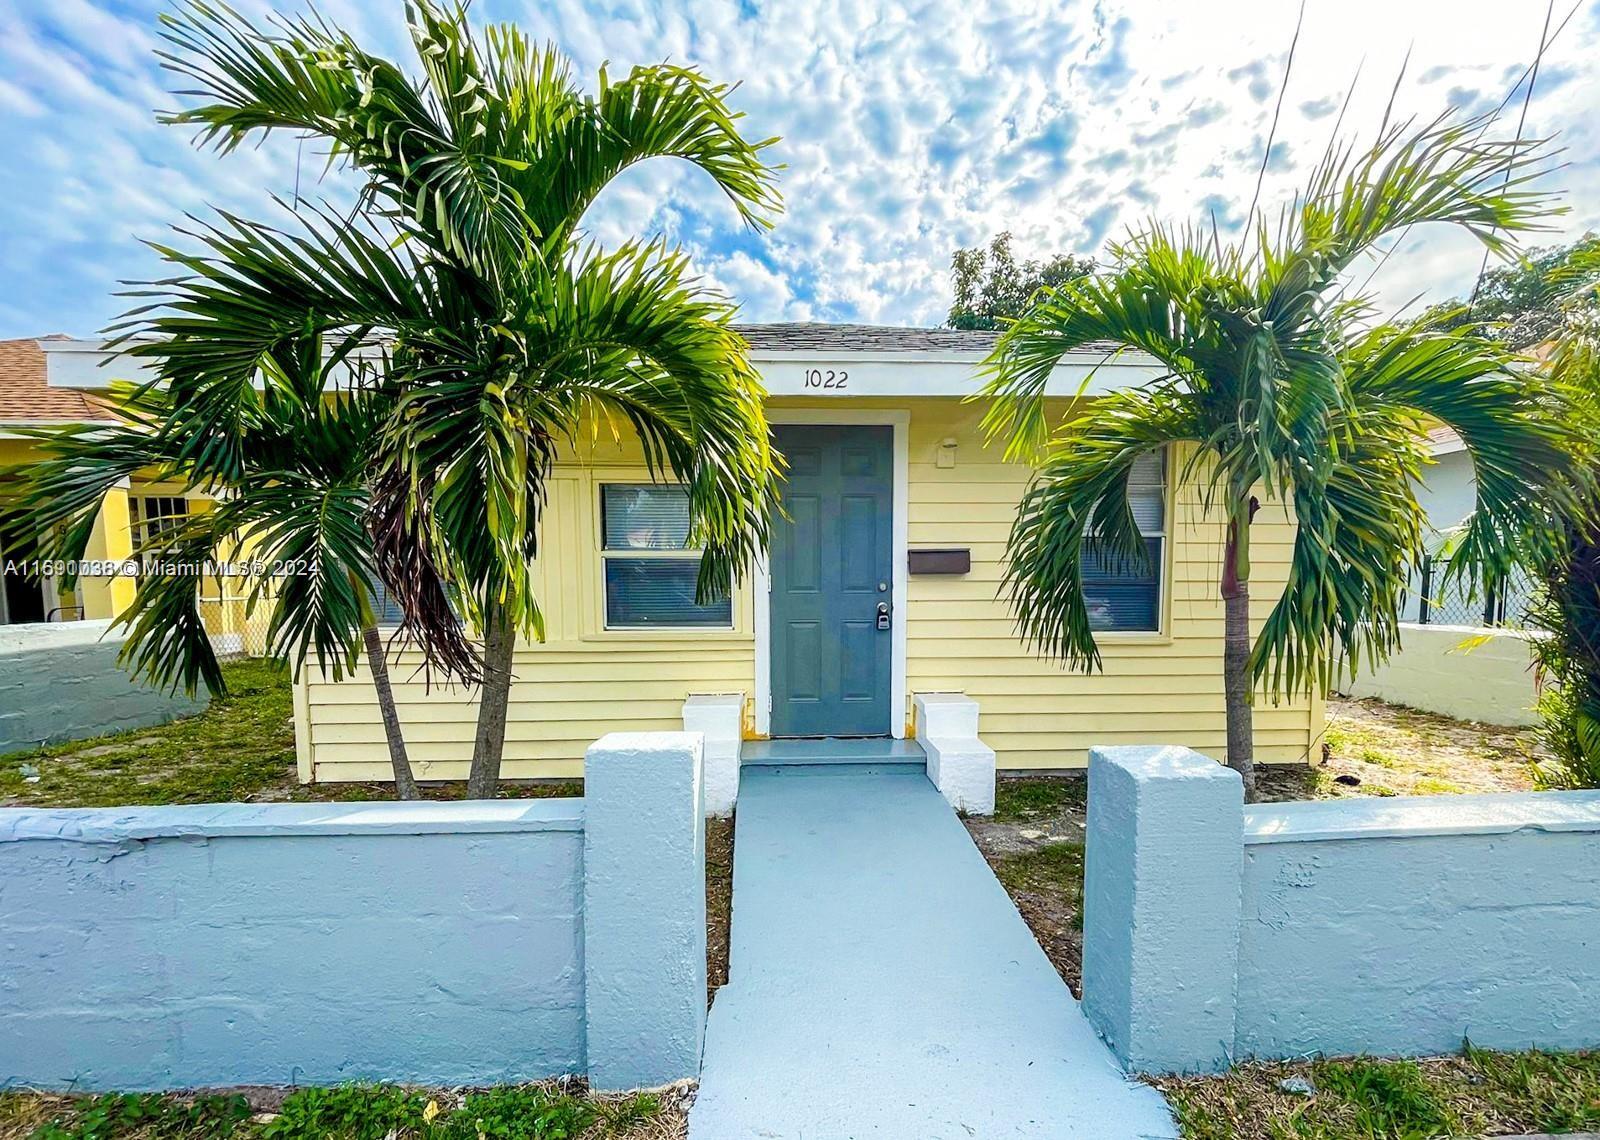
x=1236, y=647
x=499, y=642
x=405, y=784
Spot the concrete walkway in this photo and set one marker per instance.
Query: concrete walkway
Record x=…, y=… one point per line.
x=883, y=985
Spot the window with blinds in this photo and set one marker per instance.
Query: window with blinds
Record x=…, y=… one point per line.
x=385, y=608
x=650, y=570
x=1122, y=596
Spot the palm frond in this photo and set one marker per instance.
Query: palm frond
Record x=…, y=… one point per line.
x=658, y=111
x=1358, y=533
x=1154, y=300
x=1078, y=501
x=1520, y=428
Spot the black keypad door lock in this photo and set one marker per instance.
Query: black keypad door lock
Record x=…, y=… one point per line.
x=883, y=615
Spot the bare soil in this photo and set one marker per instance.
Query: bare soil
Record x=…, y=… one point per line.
x=1372, y=748
x=719, y=902
x=1034, y=841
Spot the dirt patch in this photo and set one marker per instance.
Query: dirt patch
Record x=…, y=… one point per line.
x=1034, y=843
x=719, y=902
x=1377, y=749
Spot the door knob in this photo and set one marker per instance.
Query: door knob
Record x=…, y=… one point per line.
x=883, y=615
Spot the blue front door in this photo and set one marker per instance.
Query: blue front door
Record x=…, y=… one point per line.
x=832, y=609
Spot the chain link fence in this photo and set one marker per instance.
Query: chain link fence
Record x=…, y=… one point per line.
x=235, y=632
x=1504, y=605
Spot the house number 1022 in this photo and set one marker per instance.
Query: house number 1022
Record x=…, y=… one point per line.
x=826, y=378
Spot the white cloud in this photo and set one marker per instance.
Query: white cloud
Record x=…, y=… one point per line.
x=908, y=130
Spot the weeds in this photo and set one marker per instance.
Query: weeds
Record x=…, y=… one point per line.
x=346, y=1112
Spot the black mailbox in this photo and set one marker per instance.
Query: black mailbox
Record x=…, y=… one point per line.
x=947, y=560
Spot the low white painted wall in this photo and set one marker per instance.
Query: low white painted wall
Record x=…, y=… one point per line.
x=1405, y=926
x=719, y=718
x=439, y=943
x=960, y=765
x=1214, y=932
x=61, y=681
x=1459, y=671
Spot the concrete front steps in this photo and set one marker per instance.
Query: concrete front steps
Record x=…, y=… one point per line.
x=800, y=756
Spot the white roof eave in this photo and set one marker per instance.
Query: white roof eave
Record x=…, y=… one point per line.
x=86, y=365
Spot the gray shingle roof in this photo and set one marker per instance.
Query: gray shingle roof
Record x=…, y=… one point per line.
x=811, y=336
x=803, y=336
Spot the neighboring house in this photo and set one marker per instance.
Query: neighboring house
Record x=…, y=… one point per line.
x=27, y=400
x=131, y=517
x=1448, y=494
x=883, y=582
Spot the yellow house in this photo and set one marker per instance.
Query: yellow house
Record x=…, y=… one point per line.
x=883, y=583
x=50, y=381
x=27, y=400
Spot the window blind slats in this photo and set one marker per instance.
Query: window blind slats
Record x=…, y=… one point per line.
x=645, y=592
x=644, y=517
x=1121, y=596
x=655, y=591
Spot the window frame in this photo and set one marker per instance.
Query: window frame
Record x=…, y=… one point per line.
x=140, y=520
x=664, y=554
x=1162, y=633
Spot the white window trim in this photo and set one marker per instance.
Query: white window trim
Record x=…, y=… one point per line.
x=1163, y=566
x=900, y=421
x=663, y=554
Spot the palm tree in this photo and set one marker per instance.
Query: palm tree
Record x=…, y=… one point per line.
x=290, y=488
x=461, y=278
x=1283, y=395
x=1567, y=610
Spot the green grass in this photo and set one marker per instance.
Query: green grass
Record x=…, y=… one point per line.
x=241, y=748
x=349, y=1112
x=1023, y=798
x=1476, y=1094
x=1054, y=870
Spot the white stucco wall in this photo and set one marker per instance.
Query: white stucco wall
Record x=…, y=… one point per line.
x=1458, y=671
x=1216, y=931
x=439, y=943
x=62, y=681
x=1407, y=925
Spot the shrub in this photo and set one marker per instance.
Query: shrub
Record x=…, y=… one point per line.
x=1569, y=659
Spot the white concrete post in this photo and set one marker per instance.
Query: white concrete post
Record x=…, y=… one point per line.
x=959, y=764
x=720, y=719
x=1162, y=881
x=644, y=908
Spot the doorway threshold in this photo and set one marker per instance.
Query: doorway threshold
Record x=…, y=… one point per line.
x=834, y=750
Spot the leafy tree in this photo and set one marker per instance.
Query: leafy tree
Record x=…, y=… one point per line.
x=1280, y=394
x=1523, y=301
x=462, y=281
x=291, y=487
x=991, y=288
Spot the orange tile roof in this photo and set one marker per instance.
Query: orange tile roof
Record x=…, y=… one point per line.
x=27, y=398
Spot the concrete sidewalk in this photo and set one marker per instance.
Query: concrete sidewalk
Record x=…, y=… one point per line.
x=883, y=985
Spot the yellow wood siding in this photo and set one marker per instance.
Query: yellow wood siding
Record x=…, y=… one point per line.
x=1163, y=688
x=585, y=681
x=582, y=682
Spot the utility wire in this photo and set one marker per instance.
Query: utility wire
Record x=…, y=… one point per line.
x=1522, y=120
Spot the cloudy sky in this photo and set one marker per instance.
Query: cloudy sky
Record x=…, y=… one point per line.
x=908, y=130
